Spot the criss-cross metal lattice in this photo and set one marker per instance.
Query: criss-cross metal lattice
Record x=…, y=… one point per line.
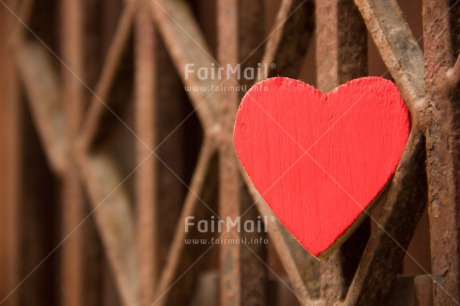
x=139, y=212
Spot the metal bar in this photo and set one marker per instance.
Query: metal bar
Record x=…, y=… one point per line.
x=161, y=124
x=172, y=289
x=243, y=271
x=397, y=46
x=146, y=186
x=410, y=291
x=296, y=261
x=441, y=46
x=231, y=279
x=114, y=220
x=341, y=55
x=402, y=206
x=98, y=103
x=73, y=208
x=385, y=251
x=38, y=215
x=3, y=150
x=423, y=290
x=187, y=46
x=41, y=84
x=293, y=30
x=11, y=199
x=102, y=182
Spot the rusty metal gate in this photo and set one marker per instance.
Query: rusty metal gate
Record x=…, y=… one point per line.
x=109, y=144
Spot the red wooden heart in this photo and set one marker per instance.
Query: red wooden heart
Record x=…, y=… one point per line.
x=319, y=160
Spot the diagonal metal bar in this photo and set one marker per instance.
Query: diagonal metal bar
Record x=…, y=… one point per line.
x=111, y=63
x=278, y=276
x=100, y=175
x=114, y=220
x=189, y=52
x=293, y=30
x=406, y=192
x=42, y=89
x=203, y=188
x=402, y=205
x=397, y=46
x=292, y=255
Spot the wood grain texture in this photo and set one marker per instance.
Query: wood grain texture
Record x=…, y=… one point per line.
x=320, y=160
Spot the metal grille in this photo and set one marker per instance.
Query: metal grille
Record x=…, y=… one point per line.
x=104, y=154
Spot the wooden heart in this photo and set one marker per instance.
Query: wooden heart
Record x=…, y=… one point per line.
x=319, y=160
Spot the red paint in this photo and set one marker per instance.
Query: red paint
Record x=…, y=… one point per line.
x=319, y=160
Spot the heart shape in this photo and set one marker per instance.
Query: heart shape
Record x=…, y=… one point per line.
x=319, y=160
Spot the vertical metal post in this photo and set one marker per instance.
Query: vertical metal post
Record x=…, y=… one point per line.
x=73, y=204
x=341, y=55
x=243, y=274
x=11, y=202
x=441, y=45
x=146, y=185
x=159, y=193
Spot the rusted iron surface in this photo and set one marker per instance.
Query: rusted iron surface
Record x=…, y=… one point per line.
x=95, y=170
x=200, y=202
x=147, y=217
x=159, y=192
x=341, y=55
x=410, y=291
x=114, y=219
x=11, y=195
x=441, y=45
x=423, y=290
x=385, y=251
x=38, y=224
x=341, y=52
x=453, y=75
x=98, y=104
x=41, y=83
x=243, y=272
x=187, y=45
x=397, y=46
x=286, y=44
x=289, y=38
x=295, y=259
x=73, y=262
